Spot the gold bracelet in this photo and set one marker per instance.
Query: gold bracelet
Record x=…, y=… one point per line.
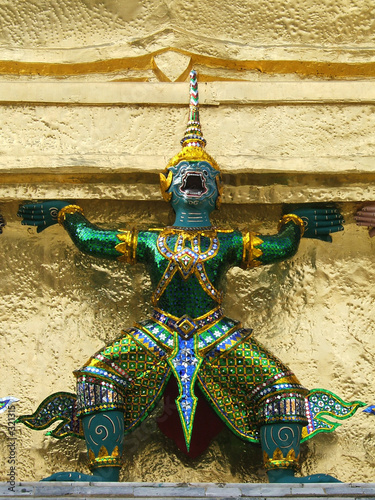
x=69, y=209
x=294, y=218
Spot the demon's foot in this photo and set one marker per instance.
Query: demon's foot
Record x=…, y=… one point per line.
x=106, y=474
x=287, y=476
x=72, y=476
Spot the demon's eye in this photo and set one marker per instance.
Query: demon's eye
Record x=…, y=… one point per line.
x=205, y=173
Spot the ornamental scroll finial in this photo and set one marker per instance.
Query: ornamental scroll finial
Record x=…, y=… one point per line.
x=193, y=133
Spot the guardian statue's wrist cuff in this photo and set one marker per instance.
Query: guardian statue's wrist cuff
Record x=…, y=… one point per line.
x=69, y=209
x=294, y=218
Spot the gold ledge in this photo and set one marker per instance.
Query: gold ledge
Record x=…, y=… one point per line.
x=231, y=180
x=320, y=69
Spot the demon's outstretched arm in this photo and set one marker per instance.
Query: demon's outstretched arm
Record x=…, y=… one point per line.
x=306, y=222
x=89, y=238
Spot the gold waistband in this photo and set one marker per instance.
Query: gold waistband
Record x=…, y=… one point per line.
x=186, y=326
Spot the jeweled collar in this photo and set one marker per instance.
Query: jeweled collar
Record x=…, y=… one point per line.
x=209, y=231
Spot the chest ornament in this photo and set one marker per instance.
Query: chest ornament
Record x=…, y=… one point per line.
x=187, y=258
x=187, y=252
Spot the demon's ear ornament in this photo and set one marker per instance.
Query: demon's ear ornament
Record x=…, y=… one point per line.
x=192, y=143
x=165, y=184
x=220, y=189
x=2, y=223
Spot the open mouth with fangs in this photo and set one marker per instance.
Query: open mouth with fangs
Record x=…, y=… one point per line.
x=193, y=184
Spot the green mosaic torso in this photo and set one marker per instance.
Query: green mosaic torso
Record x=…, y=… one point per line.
x=191, y=287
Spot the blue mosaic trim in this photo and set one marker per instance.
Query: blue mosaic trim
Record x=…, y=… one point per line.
x=90, y=393
x=180, y=251
x=144, y=335
x=105, y=374
x=272, y=386
x=220, y=329
x=188, y=260
x=166, y=278
x=215, y=316
x=95, y=396
x=159, y=333
x=185, y=364
x=194, y=324
x=228, y=343
x=206, y=284
x=279, y=388
x=283, y=407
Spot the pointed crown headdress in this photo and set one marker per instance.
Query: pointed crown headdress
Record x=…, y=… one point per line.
x=192, y=143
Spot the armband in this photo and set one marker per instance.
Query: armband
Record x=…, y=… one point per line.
x=69, y=209
x=128, y=246
x=251, y=254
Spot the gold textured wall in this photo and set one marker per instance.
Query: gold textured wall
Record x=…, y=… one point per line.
x=92, y=105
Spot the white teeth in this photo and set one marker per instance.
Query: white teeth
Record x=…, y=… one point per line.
x=193, y=184
x=193, y=192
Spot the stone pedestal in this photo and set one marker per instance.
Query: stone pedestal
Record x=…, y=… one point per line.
x=188, y=491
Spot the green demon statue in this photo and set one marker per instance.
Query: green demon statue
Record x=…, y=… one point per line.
x=2, y=223
x=188, y=345
x=366, y=217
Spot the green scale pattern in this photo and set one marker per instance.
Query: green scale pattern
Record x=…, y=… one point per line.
x=281, y=246
x=187, y=296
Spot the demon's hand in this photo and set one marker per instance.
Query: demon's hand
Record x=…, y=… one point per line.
x=41, y=215
x=320, y=222
x=2, y=223
x=366, y=217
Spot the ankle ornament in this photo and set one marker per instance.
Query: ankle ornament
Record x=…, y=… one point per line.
x=279, y=461
x=281, y=445
x=104, y=459
x=104, y=433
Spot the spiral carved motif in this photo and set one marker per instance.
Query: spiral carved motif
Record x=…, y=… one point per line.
x=103, y=427
x=281, y=446
x=54, y=212
x=281, y=437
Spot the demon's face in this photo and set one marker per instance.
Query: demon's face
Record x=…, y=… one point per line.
x=194, y=183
